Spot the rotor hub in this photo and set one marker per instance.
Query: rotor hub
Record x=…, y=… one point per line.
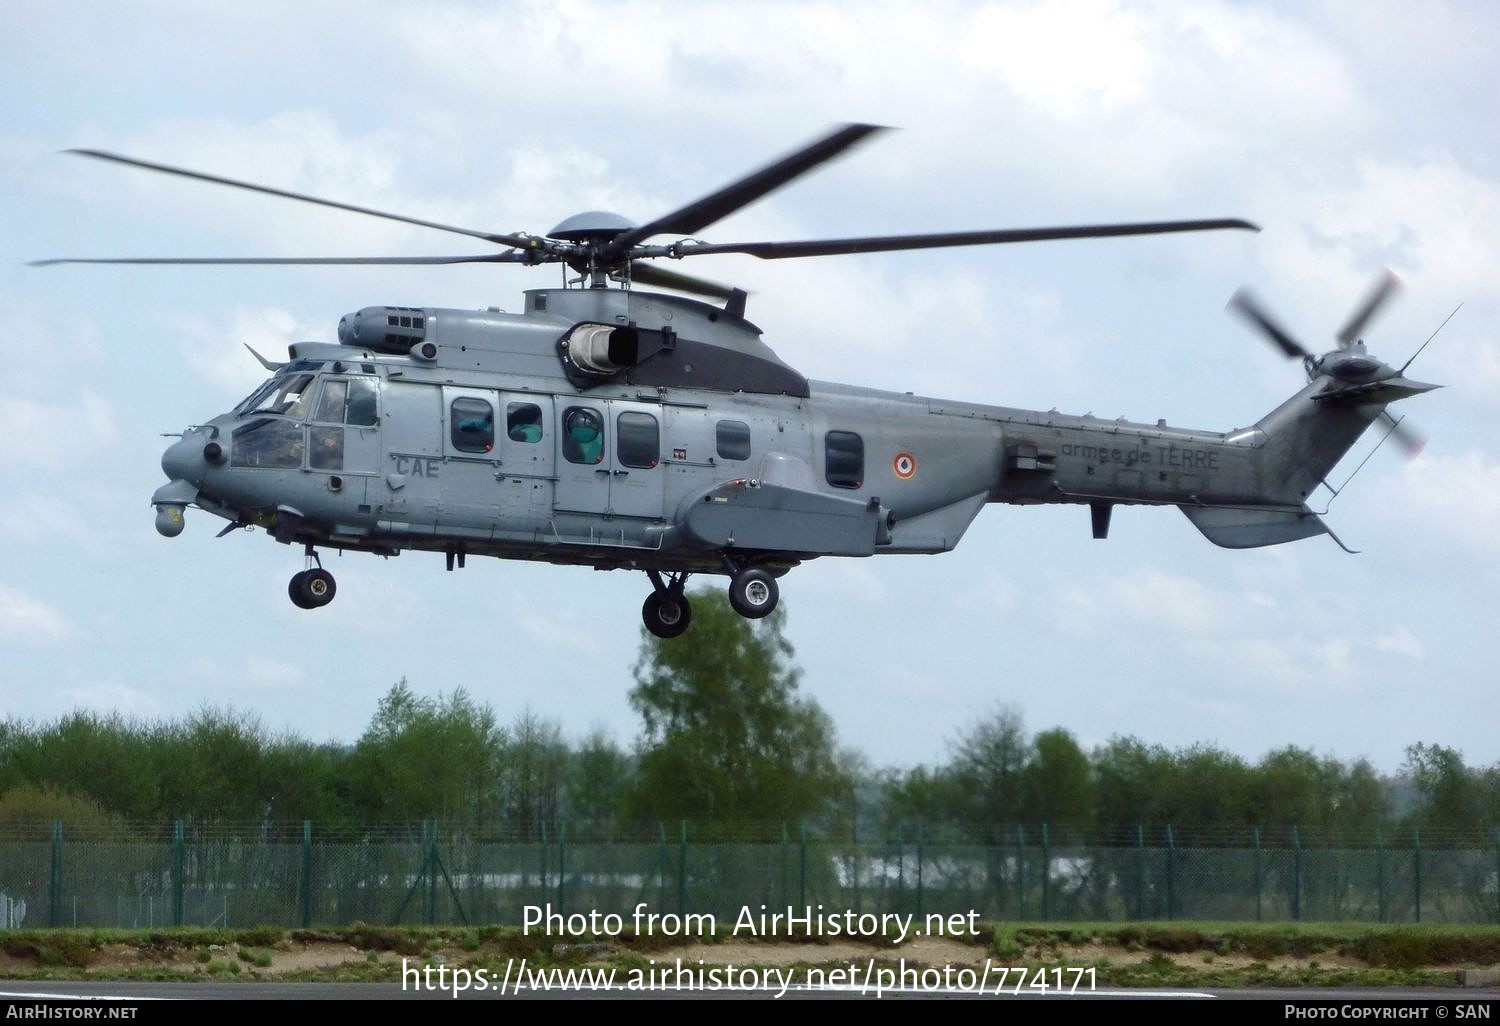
x=591, y=226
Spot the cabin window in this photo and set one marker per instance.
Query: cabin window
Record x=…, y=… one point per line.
x=472, y=425
x=523, y=422
x=582, y=436
x=733, y=440
x=638, y=440
x=844, y=459
x=361, y=411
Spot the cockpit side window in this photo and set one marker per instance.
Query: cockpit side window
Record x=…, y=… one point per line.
x=330, y=408
x=362, y=410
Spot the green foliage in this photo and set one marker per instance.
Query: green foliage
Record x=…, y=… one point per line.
x=428, y=758
x=726, y=736
x=29, y=810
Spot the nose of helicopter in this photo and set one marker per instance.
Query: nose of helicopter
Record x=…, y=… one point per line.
x=183, y=460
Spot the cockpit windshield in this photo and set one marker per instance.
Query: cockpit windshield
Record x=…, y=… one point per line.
x=285, y=394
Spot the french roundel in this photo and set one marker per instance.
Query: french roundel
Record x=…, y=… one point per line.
x=904, y=466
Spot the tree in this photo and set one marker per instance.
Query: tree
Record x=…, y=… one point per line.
x=988, y=768
x=1058, y=782
x=1449, y=795
x=726, y=736
x=599, y=776
x=426, y=758
x=533, y=762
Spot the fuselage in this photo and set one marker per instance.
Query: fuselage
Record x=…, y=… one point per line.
x=604, y=427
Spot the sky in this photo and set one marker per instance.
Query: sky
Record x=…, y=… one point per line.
x=1359, y=136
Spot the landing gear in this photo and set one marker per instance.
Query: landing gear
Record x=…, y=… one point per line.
x=667, y=612
x=312, y=588
x=753, y=593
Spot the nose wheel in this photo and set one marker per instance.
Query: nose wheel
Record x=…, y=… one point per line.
x=312, y=588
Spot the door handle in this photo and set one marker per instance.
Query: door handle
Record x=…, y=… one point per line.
x=620, y=473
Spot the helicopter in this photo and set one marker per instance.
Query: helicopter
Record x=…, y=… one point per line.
x=618, y=428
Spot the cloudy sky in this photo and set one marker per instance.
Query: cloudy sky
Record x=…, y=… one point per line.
x=1359, y=135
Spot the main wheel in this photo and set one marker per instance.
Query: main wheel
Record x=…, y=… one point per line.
x=295, y=592
x=312, y=589
x=666, y=614
x=753, y=593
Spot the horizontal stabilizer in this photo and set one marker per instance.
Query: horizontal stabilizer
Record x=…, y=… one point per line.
x=1250, y=527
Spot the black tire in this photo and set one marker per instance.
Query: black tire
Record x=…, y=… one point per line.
x=294, y=591
x=666, y=614
x=754, y=594
x=316, y=587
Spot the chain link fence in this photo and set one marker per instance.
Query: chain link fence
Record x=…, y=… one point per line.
x=293, y=875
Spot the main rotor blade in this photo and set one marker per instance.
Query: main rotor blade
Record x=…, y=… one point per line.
x=1244, y=304
x=718, y=205
x=648, y=274
x=508, y=257
x=885, y=243
x=1380, y=292
x=518, y=241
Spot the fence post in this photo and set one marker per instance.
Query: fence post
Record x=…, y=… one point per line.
x=682, y=868
x=1020, y=872
x=430, y=864
x=178, y=862
x=1257, y=876
x=1140, y=871
x=562, y=869
x=1380, y=873
x=1497, y=874
x=1046, y=875
x=542, y=850
x=802, y=863
x=900, y=867
x=1417, y=875
x=1296, y=874
x=307, y=873
x=663, y=860
x=1171, y=874
x=920, y=842
x=786, y=844
x=54, y=884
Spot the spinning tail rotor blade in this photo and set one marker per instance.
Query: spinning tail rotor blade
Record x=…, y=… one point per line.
x=1245, y=304
x=1411, y=440
x=1382, y=290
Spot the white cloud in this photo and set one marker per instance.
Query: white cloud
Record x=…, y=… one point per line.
x=1455, y=497
x=110, y=696
x=44, y=433
x=1400, y=641
x=26, y=619
x=215, y=350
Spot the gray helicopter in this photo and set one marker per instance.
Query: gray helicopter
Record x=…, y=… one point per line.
x=622, y=429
